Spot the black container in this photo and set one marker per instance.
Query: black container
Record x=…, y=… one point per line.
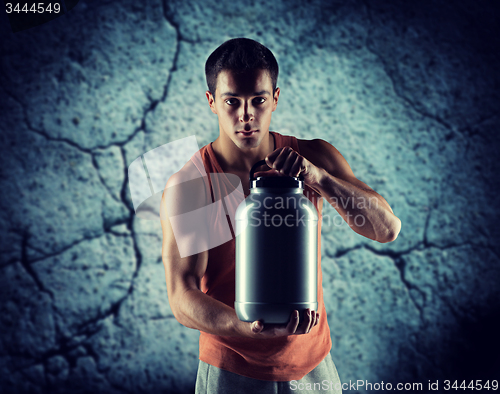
x=276, y=250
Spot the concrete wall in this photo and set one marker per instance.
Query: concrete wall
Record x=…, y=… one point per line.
x=408, y=93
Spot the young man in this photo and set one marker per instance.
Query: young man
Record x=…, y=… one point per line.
x=237, y=356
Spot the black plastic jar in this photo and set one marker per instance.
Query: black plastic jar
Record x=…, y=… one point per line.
x=276, y=250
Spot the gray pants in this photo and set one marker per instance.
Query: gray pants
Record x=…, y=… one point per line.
x=322, y=379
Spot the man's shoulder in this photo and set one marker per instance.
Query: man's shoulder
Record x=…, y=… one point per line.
x=186, y=189
x=188, y=172
x=316, y=143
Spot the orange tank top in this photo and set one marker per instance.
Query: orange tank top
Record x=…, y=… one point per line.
x=280, y=359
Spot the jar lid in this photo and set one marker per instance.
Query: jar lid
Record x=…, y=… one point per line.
x=276, y=181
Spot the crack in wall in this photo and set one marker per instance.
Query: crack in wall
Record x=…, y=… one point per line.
x=101, y=179
x=42, y=133
x=114, y=310
x=400, y=265
x=121, y=143
x=452, y=131
x=64, y=249
x=130, y=227
x=91, y=327
x=464, y=132
x=27, y=266
x=25, y=245
x=123, y=191
x=169, y=17
x=66, y=345
x=426, y=229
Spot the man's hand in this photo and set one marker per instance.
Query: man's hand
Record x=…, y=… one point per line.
x=311, y=319
x=286, y=161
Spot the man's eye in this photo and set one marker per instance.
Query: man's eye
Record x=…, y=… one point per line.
x=231, y=101
x=259, y=100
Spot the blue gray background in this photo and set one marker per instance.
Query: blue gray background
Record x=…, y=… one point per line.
x=408, y=93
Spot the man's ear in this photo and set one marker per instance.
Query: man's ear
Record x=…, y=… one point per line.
x=211, y=101
x=275, y=98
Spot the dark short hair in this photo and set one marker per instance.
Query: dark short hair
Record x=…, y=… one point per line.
x=240, y=55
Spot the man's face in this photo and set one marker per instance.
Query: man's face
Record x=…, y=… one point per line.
x=244, y=104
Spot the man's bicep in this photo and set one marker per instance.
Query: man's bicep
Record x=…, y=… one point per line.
x=342, y=170
x=326, y=156
x=182, y=270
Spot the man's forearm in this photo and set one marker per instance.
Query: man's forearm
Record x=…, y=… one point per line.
x=365, y=211
x=199, y=311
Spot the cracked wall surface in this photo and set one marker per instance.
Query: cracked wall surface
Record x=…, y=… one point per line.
x=407, y=92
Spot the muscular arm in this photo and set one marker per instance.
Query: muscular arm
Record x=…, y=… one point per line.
x=190, y=306
x=326, y=171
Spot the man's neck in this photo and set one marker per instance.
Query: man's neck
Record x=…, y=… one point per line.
x=233, y=159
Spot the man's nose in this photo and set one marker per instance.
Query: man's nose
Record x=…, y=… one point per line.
x=247, y=113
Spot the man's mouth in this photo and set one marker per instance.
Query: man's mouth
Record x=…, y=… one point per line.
x=247, y=133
